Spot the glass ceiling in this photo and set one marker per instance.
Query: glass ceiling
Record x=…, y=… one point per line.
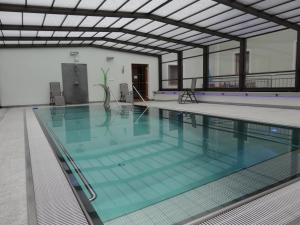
x=151, y=27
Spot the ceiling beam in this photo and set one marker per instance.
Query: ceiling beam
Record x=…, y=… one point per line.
x=105, y=13
x=98, y=29
x=260, y=14
x=76, y=45
x=17, y=38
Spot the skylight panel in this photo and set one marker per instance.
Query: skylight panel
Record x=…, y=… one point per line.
x=109, y=44
x=40, y=2
x=28, y=33
x=207, y=13
x=88, y=4
x=101, y=34
x=148, y=40
x=76, y=42
x=112, y=5
x=267, y=4
x=194, y=8
x=289, y=14
x=11, y=18
x=52, y=42
x=167, y=45
x=156, y=52
x=158, y=43
x=107, y=21
x=64, y=42
x=119, y=46
x=176, y=46
x=173, y=33
x=216, y=41
x=60, y=34
x=18, y=2
x=232, y=22
x=172, y=7
x=137, y=39
x=122, y=22
x=90, y=21
x=11, y=42
x=164, y=29
x=146, y=50
x=88, y=34
x=53, y=19
x=87, y=42
x=263, y=31
x=45, y=33
x=128, y=47
x=39, y=42
x=33, y=19
x=74, y=34
x=295, y=20
x=72, y=21
x=126, y=37
x=65, y=3
x=151, y=5
x=220, y=18
x=187, y=34
x=195, y=38
x=284, y=8
x=115, y=35
x=212, y=38
x=25, y=42
x=138, y=48
x=243, y=25
x=151, y=26
x=11, y=33
x=253, y=29
x=137, y=24
x=99, y=42
x=132, y=5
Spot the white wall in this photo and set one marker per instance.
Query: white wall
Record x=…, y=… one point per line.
x=25, y=73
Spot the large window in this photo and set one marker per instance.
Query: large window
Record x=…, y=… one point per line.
x=173, y=75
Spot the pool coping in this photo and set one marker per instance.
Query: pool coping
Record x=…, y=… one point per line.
x=86, y=207
x=93, y=217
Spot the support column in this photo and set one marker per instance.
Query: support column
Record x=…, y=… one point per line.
x=242, y=65
x=159, y=72
x=297, y=78
x=180, y=70
x=205, y=67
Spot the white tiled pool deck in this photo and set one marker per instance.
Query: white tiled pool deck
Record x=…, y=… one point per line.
x=13, y=177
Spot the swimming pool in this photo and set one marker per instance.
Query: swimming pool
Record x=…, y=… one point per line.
x=164, y=165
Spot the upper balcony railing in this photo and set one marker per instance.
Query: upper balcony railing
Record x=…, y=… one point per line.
x=281, y=79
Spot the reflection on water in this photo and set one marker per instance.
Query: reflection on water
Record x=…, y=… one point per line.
x=135, y=158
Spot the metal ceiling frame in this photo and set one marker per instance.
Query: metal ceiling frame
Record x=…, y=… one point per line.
x=16, y=38
x=105, y=13
x=76, y=45
x=96, y=29
x=213, y=35
x=258, y=13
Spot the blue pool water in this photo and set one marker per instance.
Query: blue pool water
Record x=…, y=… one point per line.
x=134, y=158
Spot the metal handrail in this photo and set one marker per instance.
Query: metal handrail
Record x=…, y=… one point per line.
x=90, y=189
x=140, y=95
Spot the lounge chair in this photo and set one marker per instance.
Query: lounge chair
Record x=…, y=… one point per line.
x=189, y=94
x=56, y=97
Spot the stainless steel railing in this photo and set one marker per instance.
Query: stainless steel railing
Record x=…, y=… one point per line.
x=87, y=185
x=140, y=95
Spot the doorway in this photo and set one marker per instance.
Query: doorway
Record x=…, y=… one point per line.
x=140, y=80
x=75, y=83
